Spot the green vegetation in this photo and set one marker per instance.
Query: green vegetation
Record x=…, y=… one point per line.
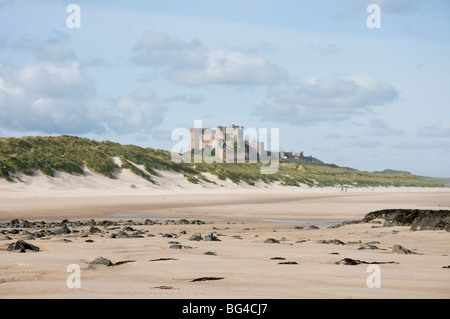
x=73, y=155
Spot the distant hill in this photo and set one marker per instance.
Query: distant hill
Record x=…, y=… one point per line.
x=74, y=155
x=392, y=171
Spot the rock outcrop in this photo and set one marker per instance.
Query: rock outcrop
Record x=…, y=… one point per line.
x=417, y=219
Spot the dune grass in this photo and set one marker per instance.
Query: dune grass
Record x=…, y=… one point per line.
x=72, y=154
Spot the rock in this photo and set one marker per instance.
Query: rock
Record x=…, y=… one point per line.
x=196, y=237
x=237, y=236
x=211, y=237
x=446, y=266
x=177, y=246
x=173, y=242
x=89, y=241
x=206, y=279
x=84, y=234
x=101, y=261
x=312, y=227
x=348, y=261
x=278, y=258
x=211, y=253
x=151, y=235
x=335, y=241
x=366, y=247
x=397, y=249
x=271, y=241
x=287, y=263
x=197, y=222
x=24, y=224
x=22, y=246
x=94, y=230
x=415, y=218
x=301, y=241
x=354, y=242
x=183, y=221
x=6, y=238
x=127, y=228
x=64, y=230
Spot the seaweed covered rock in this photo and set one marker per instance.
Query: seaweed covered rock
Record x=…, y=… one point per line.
x=415, y=218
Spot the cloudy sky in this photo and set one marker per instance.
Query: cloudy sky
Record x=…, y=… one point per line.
x=367, y=98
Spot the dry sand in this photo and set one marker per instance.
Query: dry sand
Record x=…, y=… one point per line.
x=245, y=264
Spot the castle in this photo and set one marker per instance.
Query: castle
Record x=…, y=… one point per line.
x=222, y=139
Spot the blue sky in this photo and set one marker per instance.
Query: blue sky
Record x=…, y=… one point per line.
x=365, y=98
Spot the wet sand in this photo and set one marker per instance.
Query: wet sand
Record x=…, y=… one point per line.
x=245, y=263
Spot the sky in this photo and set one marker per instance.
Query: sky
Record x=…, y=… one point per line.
x=133, y=71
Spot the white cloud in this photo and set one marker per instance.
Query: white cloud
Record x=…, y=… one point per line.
x=139, y=111
x=47, y=98
x=193, y=64
x=332, y=98
x=56, y=49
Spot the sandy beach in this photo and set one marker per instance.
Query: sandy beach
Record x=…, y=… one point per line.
x=300, y=264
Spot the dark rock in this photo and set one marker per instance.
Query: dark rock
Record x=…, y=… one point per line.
x=183, y=221
x=271, y=241
x=278, y=258
x=237, y=236
x=196, y=237
x=6, y=238
x=206, y=279
x=301, y=241
x=348, y=261
x=287, y=263
x=89, y=241
x=173, y=242
x=121, y=262
x=415, y=218
x=198, y=222
x=177, y=246
x=64, y=230
x=120, y=234
x=127, y=228
x=101, y=261
x=22, y=246
x=312, y=227
x=211, y=253
x=335, y=241
x=84, y=234
x=446, y=266
x=94, y=230
x=366, y=247
x=106, y=223
x=163, y=259
x=397, y=249
x=211, y=237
